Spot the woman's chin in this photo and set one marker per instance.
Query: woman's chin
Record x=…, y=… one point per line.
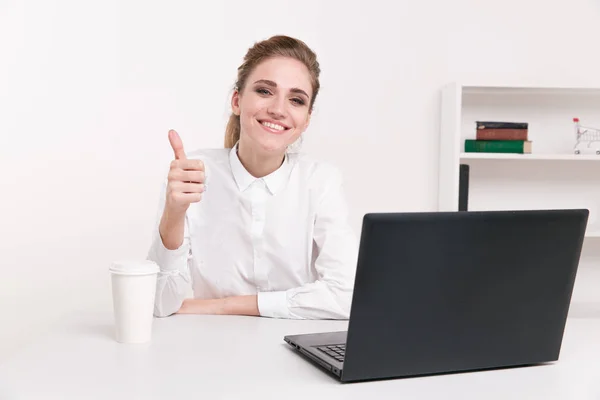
x=274, y=144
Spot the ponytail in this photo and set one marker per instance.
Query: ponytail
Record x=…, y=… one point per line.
x=232, y=131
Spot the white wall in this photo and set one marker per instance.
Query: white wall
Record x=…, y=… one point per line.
x=89, y=89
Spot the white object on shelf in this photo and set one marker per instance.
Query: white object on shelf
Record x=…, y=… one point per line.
x=587, y=135
x=546, y=178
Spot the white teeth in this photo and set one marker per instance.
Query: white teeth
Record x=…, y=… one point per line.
x=273, y=126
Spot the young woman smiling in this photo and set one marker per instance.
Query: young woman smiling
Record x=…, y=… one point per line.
x=256, y=228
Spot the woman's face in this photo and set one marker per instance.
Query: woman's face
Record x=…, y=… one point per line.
x=274, y=105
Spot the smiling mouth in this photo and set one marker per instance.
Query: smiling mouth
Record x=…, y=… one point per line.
x=273, y=127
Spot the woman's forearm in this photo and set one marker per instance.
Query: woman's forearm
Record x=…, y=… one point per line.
x=171, y=228
x=235, y=305
x=241, y=305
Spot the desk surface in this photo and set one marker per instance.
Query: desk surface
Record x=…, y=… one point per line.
x=227, y=357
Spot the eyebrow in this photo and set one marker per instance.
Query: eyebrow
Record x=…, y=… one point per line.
x=273, y=84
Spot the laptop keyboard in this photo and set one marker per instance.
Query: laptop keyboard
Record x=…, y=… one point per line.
x=336, y=351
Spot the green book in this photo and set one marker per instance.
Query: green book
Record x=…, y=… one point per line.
x=497, y=146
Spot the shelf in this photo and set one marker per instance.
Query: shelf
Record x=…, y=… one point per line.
x=523, y=89
x=510, y=156
x=500, y=180
x=592, y=234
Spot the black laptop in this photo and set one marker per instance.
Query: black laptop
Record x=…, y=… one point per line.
x=442, y=292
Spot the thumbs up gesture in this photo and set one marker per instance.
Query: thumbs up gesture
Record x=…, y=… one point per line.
x=186, y=178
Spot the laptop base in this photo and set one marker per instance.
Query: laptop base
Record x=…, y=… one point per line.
x=306, y=345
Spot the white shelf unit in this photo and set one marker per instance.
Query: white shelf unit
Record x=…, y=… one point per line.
x=553, y=176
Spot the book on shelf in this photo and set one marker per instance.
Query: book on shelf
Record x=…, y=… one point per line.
x=502, y=134
x=498, y=146
x=500, y=137
x=501, y=125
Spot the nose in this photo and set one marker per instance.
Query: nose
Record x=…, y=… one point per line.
x=276, y=108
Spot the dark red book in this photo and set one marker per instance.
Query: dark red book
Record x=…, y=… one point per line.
x=502, y=134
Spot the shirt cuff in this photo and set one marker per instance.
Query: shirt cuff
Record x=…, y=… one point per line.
x=169, y=260
x=273, y=304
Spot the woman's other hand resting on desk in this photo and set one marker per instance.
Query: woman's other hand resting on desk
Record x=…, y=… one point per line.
x=236, y=305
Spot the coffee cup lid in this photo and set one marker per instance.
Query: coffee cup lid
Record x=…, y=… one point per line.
x=134, y=267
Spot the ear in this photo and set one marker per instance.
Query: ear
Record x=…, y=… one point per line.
x=235, y=102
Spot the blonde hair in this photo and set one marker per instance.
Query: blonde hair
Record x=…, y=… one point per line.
x=275, y=46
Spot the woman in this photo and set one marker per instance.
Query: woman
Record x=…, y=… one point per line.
x=255, y=228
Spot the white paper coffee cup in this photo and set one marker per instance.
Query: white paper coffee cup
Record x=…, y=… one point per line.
x=133, y=291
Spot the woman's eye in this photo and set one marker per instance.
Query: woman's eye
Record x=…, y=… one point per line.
x=263, y=91
x=298, y=101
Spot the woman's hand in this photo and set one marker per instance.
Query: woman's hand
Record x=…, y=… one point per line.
x=235, y=305
x=185, y=186
x=185, y=180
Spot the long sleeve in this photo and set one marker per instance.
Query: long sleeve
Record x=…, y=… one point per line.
x=330, y=296
x=174, y=278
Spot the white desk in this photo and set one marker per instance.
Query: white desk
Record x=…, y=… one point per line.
x=225, y=357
